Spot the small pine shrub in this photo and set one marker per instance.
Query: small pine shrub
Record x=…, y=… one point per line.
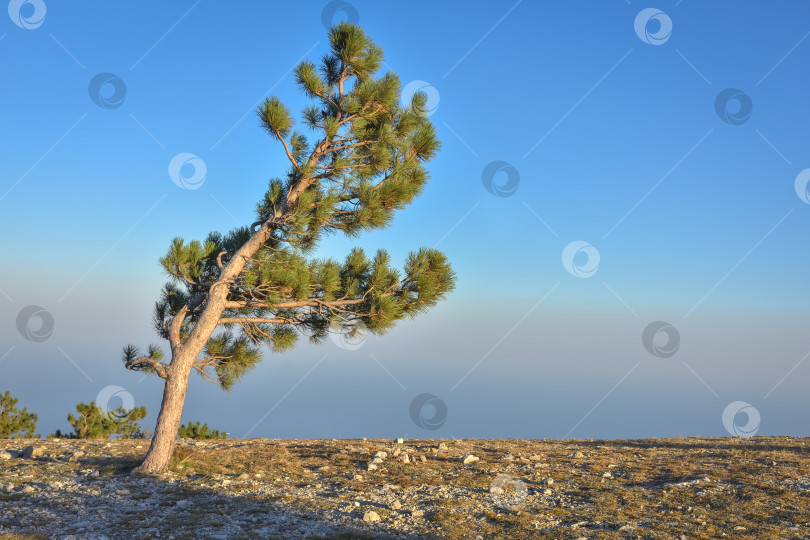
x=193, y=430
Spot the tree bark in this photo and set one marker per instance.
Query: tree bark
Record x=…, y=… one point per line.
x=159, y=456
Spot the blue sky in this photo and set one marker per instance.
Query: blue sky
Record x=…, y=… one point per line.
x=611, y=132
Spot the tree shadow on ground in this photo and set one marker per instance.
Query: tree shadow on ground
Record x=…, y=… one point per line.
x=119, y=505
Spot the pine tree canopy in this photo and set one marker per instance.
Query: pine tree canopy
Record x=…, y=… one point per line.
x=356, y=155
x=15, y=423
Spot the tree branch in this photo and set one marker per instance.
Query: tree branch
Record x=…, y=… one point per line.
x=287, y=150
x=159, y=368
x=299, y=303
x=177, y=322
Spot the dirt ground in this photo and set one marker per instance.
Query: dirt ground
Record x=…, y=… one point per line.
x=757, y=487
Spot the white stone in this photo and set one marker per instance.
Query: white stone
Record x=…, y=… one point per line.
x=371, y=516
x=469, y=459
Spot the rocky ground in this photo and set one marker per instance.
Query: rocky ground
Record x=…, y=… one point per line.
x=372, y=488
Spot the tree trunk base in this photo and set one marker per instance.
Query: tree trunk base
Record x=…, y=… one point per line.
x=159, y=457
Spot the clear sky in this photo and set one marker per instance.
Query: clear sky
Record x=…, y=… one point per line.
x=606, y=166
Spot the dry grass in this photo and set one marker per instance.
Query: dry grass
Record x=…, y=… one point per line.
x=745, y=489
x=756, y=488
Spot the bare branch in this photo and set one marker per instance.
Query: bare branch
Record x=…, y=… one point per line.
x=258, y=320
x=159, y=368
x=287, y=150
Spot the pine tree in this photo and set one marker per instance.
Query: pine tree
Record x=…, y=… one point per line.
x=256, y=286
x=93, y=422
x=15, y=423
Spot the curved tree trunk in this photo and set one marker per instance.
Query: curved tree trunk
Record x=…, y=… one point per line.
x=159, y=456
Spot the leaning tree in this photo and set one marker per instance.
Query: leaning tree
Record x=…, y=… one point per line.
x=258, y=285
